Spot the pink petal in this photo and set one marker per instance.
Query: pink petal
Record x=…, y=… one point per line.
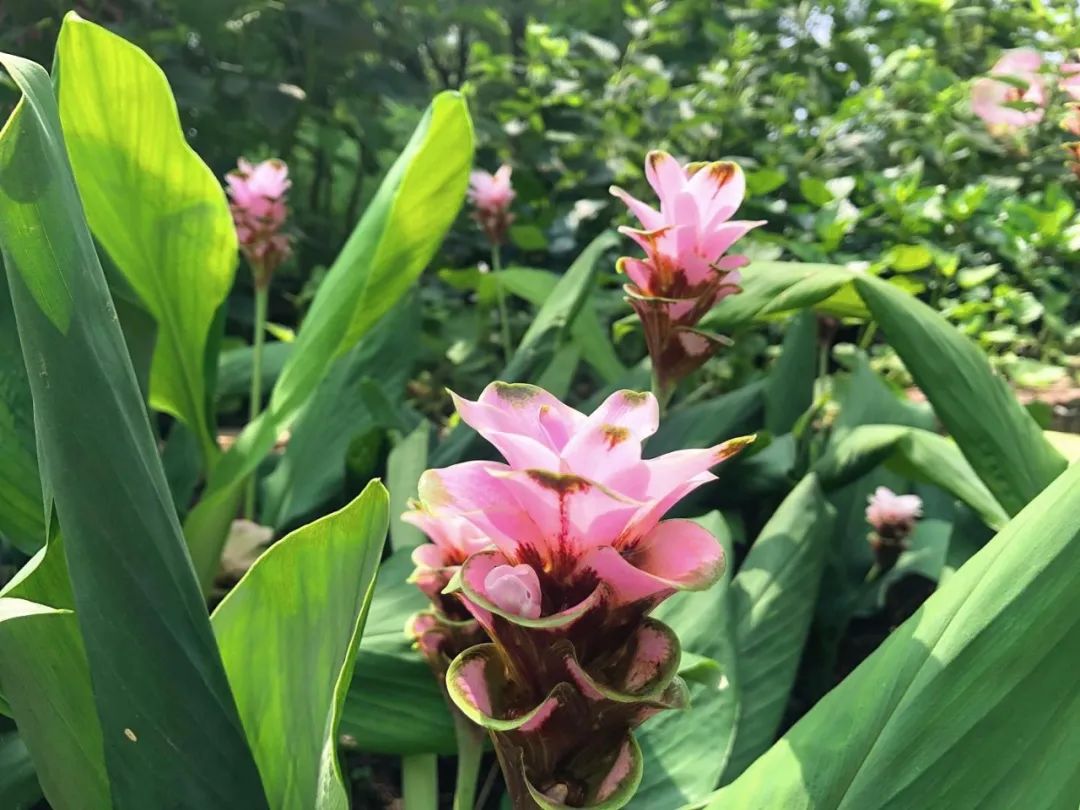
x=523, y=410
x=471, y=490
x=719, y=189
x=571, y=512
x=641, y=272
x=515, y=589
x=1018, y=61
x=649, y=217
x=608, y=446
x=621, y=770
x=680, y=552
x=720, y=238
x=666, y=177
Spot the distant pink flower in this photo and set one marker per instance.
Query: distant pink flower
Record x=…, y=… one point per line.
x=990, y=96
x=257, y=193
x=577, y=554
x=887, y=512
x=1070, y=85
x=491, y=195
x=687, y=268
x=893, y=519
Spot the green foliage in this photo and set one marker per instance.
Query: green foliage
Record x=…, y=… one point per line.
x=310, y=626
x=138, y=606
x=152, y=203
x=973, y=688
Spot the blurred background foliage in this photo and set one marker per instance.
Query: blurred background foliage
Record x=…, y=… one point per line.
x=851, y=118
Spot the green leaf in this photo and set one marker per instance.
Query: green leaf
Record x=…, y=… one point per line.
x=398, y=234
x=686, y=751
x=706, y=423
x=970, y=703
x=562, y=305
x=971, y=277
x=536, y=286
x=151, y=202
x=47, y=682
x=789, y=389
x=155, y=667
x=288, y=634
x=772, y=601
x=22, y=519
x=406, y=464
x=388, y=669
x=772, y=288
x=999, y=438
x=919, y=455
x=815, y=191
x=19, y=788
x=311, y=471
x=46, y=679
x=908, y=258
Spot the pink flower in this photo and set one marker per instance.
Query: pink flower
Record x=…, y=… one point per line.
x=888, y=511
x=491, y=195
x=990, y=96
x=577, y=555
x=687, y=268
x=257, y=193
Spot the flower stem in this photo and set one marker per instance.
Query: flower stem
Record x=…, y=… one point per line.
x=661, y=390
x=500, y=296
x=262, y=293
x=470, y=749
x=420, y=781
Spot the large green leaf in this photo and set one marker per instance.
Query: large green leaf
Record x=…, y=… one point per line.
x=997, y=435
x=772, y=288
x=47, y=683
x=46, y=680
x=970, y=703
x=772, y=599
x=396, y=237
x=392, y=679
x=169, y=725
x=22, y=519
x=789, y=389
x=288, y=634
x=916, y=454
x=536, y=287
x=686, y=751
x=151, y=202
x=406, y=464
x=312, y=468
x=19, y=788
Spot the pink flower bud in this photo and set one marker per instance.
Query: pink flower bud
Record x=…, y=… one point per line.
x=515, y=589
x=491, y=195
x=257, y=193
x=890, y=513
x=687, y=269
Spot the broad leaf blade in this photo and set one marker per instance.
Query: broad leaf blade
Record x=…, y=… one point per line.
x=1001, y=440
x=152, y=657
x=773, y=598
x=686, y=751
x=288, y=635
x=406, y=464
x=970, y=703
x=917, y=454
x=22, y=518
x=387, y=667
x=151, y=202
x=397, y=236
